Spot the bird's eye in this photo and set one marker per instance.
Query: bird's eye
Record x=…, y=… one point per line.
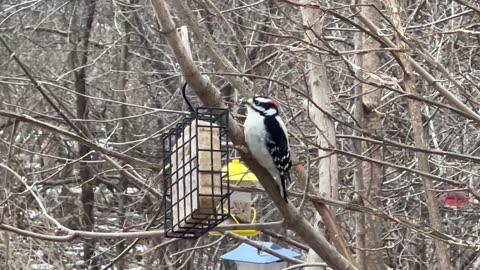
x=256, y=102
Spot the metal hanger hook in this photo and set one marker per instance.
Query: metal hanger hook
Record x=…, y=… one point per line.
x=184, y=89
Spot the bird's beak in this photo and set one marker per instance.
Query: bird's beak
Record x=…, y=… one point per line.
x=247, y=102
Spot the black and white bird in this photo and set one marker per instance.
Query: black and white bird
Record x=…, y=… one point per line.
x=267, y=139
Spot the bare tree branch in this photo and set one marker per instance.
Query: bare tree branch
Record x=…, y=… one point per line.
x=209, y=95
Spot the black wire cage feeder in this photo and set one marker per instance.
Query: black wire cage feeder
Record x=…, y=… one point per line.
x=196, y=187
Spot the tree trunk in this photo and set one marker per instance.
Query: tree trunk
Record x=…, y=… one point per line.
x=80, y=57
x=319, y=93
x=415, y=111
x=123, y=66
x=368, y=179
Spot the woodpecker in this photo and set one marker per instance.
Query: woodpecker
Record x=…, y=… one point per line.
x=267, y=139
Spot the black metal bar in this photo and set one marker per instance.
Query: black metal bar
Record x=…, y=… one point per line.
x=184, y=89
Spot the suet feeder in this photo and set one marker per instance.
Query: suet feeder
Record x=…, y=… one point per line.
x=247, y=257
x=196, y=186
x=241, y=210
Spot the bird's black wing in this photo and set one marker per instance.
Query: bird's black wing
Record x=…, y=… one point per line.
x=278, y=145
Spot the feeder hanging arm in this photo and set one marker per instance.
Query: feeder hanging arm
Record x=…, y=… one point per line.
x=184, y=89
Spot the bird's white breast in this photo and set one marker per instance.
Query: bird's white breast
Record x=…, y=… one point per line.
x=255, y=137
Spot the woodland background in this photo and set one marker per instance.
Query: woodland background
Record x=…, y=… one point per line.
x=381, y=99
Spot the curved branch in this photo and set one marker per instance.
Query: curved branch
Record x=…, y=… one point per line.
x=79, y=139
x=210, y=96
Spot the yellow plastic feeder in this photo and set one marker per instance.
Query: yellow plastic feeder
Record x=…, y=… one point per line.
x=241, y=209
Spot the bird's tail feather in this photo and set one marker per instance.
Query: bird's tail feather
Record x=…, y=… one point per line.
x=285, y=180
